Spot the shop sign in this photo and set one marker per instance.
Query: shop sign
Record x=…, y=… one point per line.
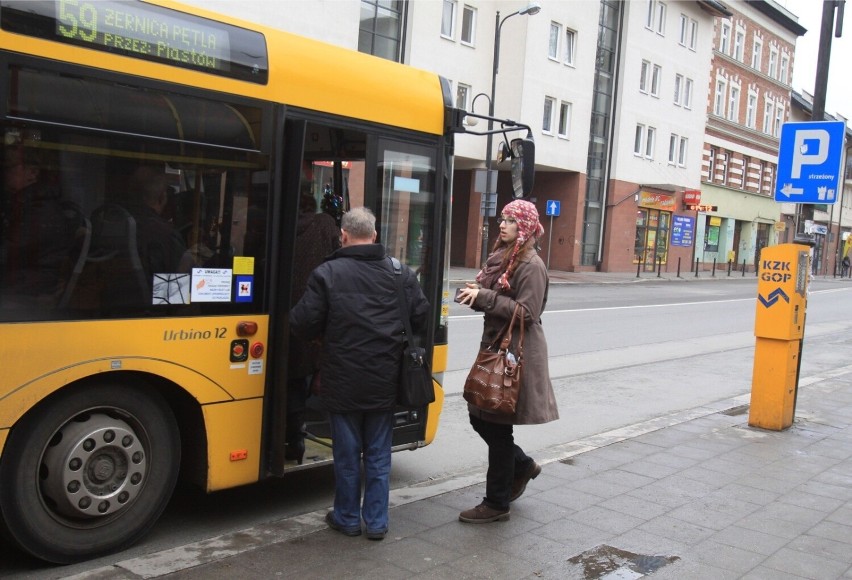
x=657, y=201
x=683, y=230
x=780, y=226
x=691, y=196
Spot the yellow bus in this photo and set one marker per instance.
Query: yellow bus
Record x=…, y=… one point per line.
x=138, y=341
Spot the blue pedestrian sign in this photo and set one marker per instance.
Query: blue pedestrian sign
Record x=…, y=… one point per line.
x=552, y=208
x=809, y=162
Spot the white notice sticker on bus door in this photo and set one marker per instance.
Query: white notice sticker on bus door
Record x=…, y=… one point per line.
x=211, y=284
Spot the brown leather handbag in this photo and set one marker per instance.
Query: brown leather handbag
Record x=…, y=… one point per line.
x=494, y=380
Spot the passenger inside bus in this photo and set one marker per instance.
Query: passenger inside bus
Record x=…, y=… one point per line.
x=317, y=236
x=37, y=233
x=161, y=248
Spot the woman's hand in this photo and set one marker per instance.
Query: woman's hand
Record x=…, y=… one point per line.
x=468, y=295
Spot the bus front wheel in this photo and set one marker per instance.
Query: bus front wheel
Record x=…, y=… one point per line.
x=88, y=472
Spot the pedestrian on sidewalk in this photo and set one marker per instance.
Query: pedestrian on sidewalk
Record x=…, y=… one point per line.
x=351, y=301
x=513, y=274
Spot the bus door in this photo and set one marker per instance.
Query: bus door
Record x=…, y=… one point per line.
x=333, y=176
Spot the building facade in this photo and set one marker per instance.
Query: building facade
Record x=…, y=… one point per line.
x=749, y=99
x=655, y=121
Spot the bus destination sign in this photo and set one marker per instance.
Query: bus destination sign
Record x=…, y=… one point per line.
x=144, y=31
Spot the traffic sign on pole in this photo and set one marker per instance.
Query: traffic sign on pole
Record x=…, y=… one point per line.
x=809, y=157
x=552, y=208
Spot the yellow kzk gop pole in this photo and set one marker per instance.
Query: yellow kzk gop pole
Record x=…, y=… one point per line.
x=779, y=327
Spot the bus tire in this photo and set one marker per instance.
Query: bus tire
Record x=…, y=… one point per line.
x=88, y=472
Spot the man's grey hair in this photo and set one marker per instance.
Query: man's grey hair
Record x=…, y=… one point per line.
x=359, y=222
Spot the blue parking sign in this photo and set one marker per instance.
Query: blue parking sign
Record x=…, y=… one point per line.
x=809, y=158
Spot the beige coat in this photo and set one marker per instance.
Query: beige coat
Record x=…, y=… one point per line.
x=536, y=401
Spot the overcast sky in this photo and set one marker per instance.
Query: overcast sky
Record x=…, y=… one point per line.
x=838, y=98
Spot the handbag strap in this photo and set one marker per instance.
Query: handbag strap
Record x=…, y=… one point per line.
x=521, y=341
x=507, y=330
x=401, y=302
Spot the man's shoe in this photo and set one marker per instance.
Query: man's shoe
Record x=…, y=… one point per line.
x=329, y=519
x=521, y=481
x=482, y=514
x=376, y=536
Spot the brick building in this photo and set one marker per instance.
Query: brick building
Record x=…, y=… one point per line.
x=748, y=101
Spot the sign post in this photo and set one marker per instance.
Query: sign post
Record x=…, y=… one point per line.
x=551, y=209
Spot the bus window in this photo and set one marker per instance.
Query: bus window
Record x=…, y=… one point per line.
x=115, y=206
x=406, y=177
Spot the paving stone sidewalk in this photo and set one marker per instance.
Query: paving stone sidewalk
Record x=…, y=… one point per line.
x=708, y=498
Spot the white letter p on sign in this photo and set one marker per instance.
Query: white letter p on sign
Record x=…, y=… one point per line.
x=802, y=152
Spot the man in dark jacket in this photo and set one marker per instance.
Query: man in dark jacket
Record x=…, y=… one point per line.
x=351, y=302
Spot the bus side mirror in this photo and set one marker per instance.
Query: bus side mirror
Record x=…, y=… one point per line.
x=523, y=167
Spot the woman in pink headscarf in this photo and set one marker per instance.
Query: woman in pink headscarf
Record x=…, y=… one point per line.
x=513, y=274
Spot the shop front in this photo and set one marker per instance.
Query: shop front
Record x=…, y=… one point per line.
x=653, y=224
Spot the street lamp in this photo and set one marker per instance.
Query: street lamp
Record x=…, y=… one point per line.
x=490, y=197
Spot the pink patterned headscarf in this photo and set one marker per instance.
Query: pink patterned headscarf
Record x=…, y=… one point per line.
x=525, y=215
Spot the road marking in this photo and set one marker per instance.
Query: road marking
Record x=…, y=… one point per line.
x=639, y=306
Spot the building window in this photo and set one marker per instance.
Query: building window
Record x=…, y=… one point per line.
x=739, y=41
x=757, y=55
x=678, y=89
x=725, y=38
x=650, y=141
x=684, y=30
x=643, y=78
x=681, y=151
x=687, y=94
x=693, y=34
x=448, y=19
x=734, y=104
x=547, y=117
x=712, y=167
x=785, y=66
x=779, y=120
x=655, y=80
x=570, y=45
x=564, y=119
x=462, y=96
x=768, y=110
x=726, y=157
x=380, y=28
x=649, y=19
x=751, y=110
x=639, y=139
x=553, y=43
x=719, y=98
x=746, y=169
x=468, y=30
x=673, y=148
x=773, y=63
x=660, y=22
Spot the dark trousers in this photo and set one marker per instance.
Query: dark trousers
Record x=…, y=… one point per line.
x=504, y=460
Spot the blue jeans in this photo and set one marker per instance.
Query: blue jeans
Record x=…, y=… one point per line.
x=354, y=434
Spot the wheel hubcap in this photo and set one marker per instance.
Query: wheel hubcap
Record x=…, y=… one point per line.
x=93, y=467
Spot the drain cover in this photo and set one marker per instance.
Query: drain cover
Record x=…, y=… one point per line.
x=614, y=564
